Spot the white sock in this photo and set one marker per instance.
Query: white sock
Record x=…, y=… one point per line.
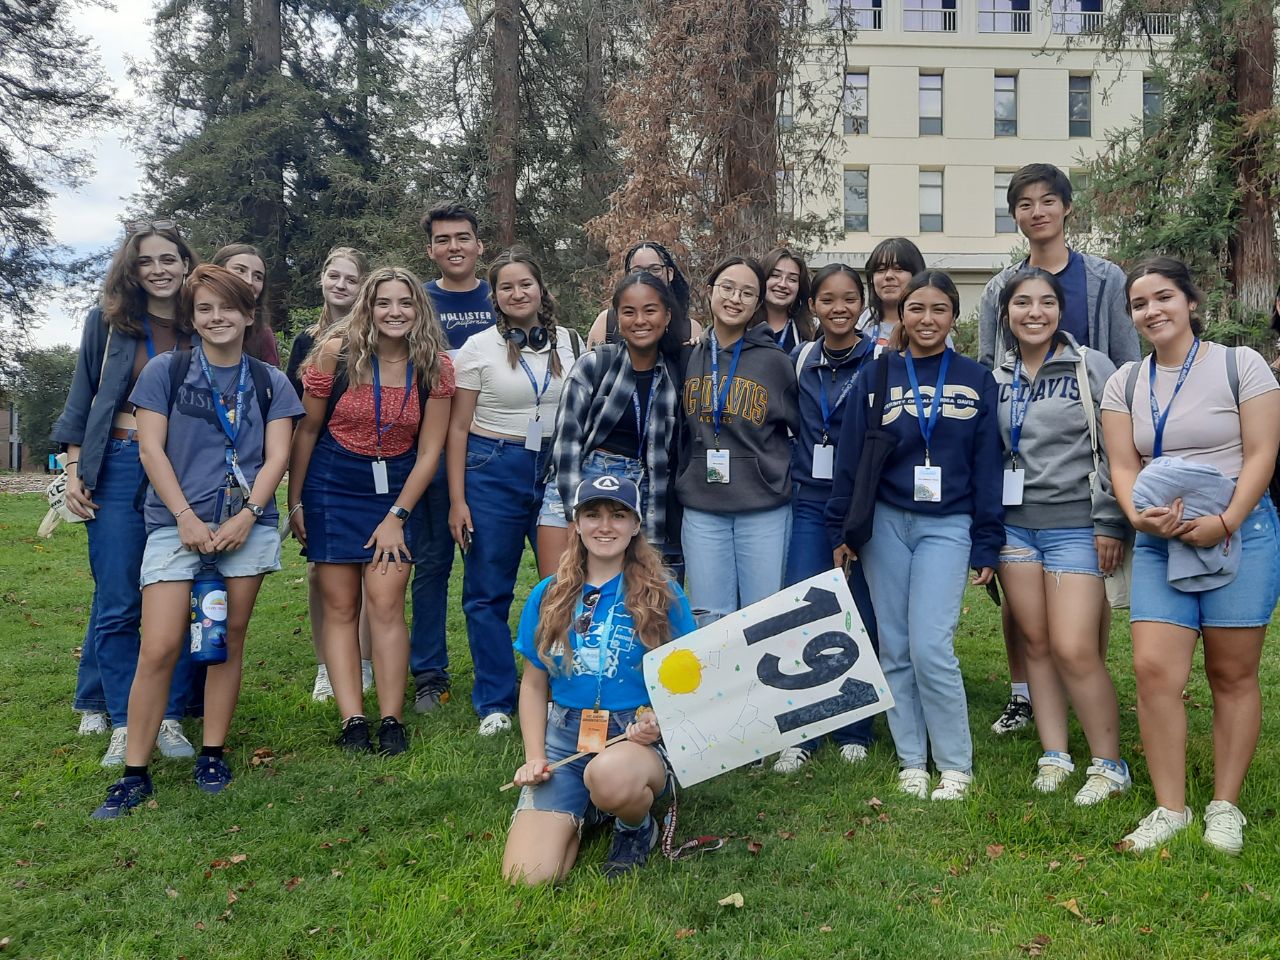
x=1021, y=690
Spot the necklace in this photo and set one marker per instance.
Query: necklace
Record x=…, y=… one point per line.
x=837, y=355
x=397, y=360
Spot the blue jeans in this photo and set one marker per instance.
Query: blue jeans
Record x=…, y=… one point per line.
x=117, y=539
x=808, y=555
x=433, y=551
x=733, y=560
x=504, y=494
x=917, y=566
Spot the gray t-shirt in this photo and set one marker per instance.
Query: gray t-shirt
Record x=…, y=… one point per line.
x=195, y=444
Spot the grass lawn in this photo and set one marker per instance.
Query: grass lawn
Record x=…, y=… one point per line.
x=313, y=854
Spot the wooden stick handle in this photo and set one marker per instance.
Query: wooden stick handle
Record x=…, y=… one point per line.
x=577, y=756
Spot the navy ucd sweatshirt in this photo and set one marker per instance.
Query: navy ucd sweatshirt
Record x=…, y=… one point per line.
x=819, y=373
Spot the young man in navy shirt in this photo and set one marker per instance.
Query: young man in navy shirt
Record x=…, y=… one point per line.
x=461, y=301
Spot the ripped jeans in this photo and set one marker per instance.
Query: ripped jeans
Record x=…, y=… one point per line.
x=1069, y=550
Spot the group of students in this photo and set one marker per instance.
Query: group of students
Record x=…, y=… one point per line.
x=663, y=451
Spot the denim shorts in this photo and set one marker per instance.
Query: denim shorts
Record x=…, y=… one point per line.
x=566, y=792
x=1067, y=550
x=1247, y=601
x=167, y=560
x=598, y=463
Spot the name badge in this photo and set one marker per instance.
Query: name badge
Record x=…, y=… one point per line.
x=593, y=732
x=230, y=502
x=928, y=485
x=533, y=436
x=823, y=461
x=241, y=481
x=1013, y=483
x=717, y=466
x=380, y=484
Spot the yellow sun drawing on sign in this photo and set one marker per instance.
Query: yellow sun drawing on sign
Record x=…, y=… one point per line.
x=680, y=672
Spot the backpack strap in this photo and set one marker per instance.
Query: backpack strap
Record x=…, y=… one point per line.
x=1131, y=385
x=1086, y=398
x=178, y=369
x=340, y=385
x=1233, y=374
x=575, y=343
x=804, y=355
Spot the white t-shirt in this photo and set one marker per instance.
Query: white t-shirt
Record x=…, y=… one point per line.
x=505, y=404
x=1204, y=424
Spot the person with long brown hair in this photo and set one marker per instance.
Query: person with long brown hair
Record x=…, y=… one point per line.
x=246, y=262
x=786, y=298
x=583, y=634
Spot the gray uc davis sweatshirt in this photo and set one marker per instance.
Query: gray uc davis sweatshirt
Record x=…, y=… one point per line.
x=1054, y=447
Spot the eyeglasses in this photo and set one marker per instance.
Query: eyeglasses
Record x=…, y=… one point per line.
x=729, y=291
x=654, y=270
x=582, y=623
x=138, y=226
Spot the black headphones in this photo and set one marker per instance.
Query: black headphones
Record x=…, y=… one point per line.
x=537, y=337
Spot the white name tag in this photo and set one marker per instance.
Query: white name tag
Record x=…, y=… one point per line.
x=380, y=484
x=241, y=481
x=1013, y=483
x=823, y=461
x=717, y=466
x=928, y=485
x=533, y=436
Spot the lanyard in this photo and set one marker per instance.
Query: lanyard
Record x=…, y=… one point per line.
x=606, y=640
x=780, y=338
x=642, y=429
x=719, y=394
x=546, y=382
x=926, y=425
x=379, y=429
x=231, y=422
x=151, y=344
x=1158, y=419
x=828, y=409
x=1020, y=405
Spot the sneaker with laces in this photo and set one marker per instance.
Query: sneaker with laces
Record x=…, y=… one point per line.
x=366, y=676
x=1016, y=715
x=853, y=752
x=630, y=849
x=212, y=774
x=393, y=738
x=93, y=722
x=791, y=759
x=494, y=723
x=1052, y=770
x=122, y=796
x=914, y=781
x=173, y=743
x=354, y=737
x=114, y=757
x=1157, y=827
x=429, y=697
x=1102, y=779
x=323, y=689
x=1224, y=826
x=952, y=785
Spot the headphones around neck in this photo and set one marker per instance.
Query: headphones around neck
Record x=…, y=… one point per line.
x=537, y=337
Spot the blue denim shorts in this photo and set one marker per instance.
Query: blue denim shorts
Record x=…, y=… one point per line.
x=1068, y=550
x=566, y=792
x=1247, y=601
x=597, y=464
x=166, y=559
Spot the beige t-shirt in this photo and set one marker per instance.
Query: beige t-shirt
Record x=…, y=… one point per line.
x=1204, y=424
x=506, y=401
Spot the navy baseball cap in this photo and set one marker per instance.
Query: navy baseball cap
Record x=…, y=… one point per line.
x=617, y=489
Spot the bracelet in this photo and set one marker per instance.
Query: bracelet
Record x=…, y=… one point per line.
x=186, y=509
x=70, y=463
x=1225, y=528
x=295, y=508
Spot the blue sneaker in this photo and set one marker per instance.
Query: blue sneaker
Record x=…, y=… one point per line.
x=212, y=774
x=630, y=849
x=122, y=796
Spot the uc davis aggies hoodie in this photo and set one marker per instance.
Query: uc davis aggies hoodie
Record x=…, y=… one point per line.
x=966, y=445
x=760, y=409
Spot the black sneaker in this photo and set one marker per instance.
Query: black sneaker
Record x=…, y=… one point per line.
x=122, y=796
x=1016, y=715
x=430, y=696
x=355, y=736
x=393, y=738
x=212, y=775
x=630, y=849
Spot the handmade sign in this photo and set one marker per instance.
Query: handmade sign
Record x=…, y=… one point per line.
x=794, y=666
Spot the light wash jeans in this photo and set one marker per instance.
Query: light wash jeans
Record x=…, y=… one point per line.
x=917, y=565
x=733, y=559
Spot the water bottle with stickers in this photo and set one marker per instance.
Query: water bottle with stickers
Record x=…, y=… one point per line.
x=208, y=632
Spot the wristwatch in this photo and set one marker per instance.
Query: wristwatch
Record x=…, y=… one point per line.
x=253, y=508
x=400, y=513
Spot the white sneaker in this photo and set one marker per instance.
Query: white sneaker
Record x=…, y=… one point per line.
x=114, y=757
x=1102, y=780
x=914, y=781
x=1224, y=826
x=91, y=722
x=323, y=690
x=1052, y=770
x=791, y=759
x=173, y=743
x=366, y=675
x=494, y=723
x=853, y=752
x=952, y=785
x=1157, y=827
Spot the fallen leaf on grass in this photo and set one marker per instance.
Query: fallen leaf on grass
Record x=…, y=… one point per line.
x=1072, y=908
x=754, y=846
x=199, y=924
x=239, y=857
x=1054, y=865
x=865, y=821
x=732, y=900
x=1036, y=947
x=995, y=850
x=4, y=943
x=875, y=803
x=313, y=931
x=1144, y=929
x=850, y=834
x=335, y=873
x=170, y=893
x=760, y=815
x=684, y=932
x=292, y=884
x=786, y=835
x=232, y=897
x=825, y=928
x=224, y=916
x=1204, y=896
x=883, y=818
x=1165, y=854
x=262, y=756
x=27, y=863
x=233, y=829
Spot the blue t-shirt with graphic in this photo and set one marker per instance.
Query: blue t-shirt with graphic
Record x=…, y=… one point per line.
x=462, y=314
x=608, y=658
x=195, y=443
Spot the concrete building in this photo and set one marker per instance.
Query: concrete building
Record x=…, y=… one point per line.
x=945, y=98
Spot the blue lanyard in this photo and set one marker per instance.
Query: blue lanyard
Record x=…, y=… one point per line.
x=1158, y=419
x=377, y=402
x=1019, y=405
x=642, y=429
x=827, y=408
x=231, y=422
x=546, y=382
x=151, y=344
x=780, y=338
x=719, y=395
x=926, y=425
x=606, y=640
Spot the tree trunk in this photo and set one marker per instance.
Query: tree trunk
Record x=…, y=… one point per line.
x=265, y=201
x=506, y=119
x=596, y=182
x=751, y=156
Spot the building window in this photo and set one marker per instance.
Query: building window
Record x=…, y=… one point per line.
x=936, y=16
x=1004, y=219
x=786, y=194
x=786, y=110
x=930, y=104
x=1004, y=16
x=1080, y=106
x=1006, y=106
x=855, y=201
x=855, y=14
x=1080, y=221
x=856, y=88
x=1152, y=105
x=1074, y=17
x=930, y=201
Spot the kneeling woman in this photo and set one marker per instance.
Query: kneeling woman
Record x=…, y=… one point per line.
x=583, y=634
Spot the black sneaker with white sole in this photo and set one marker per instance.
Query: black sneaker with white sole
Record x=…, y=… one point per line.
x=1016, y=715
x=630, y=848
x=393, y=738
x=354, y=737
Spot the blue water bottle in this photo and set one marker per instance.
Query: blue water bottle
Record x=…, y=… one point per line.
x=208, y=615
